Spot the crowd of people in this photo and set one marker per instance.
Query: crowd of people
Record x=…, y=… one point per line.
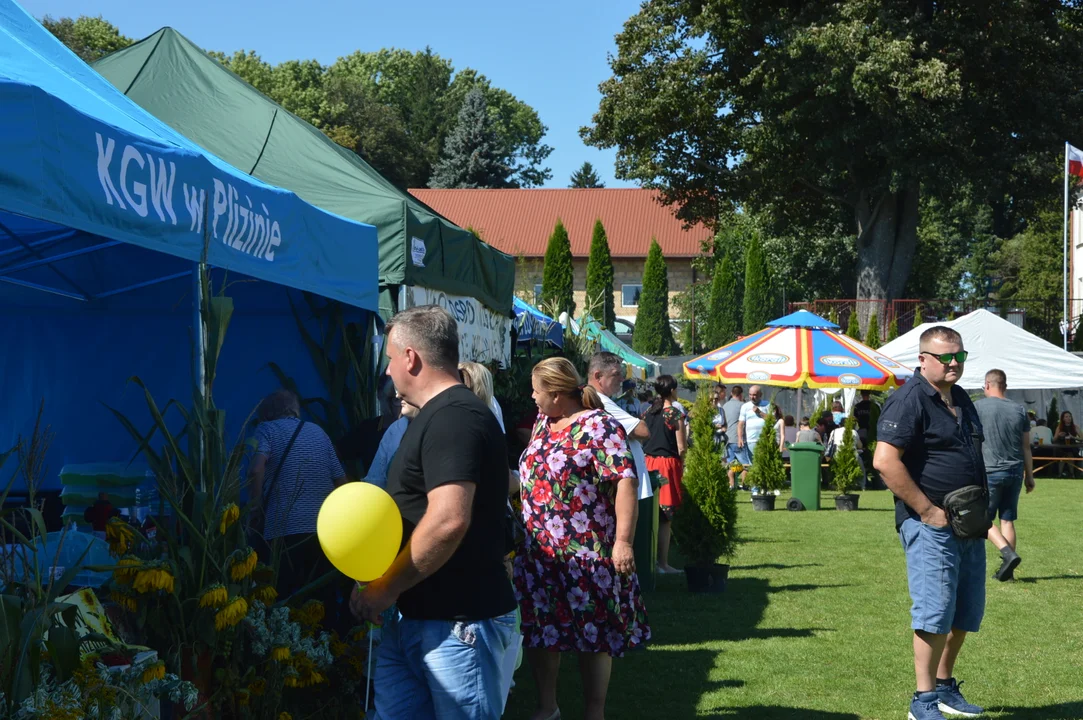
x=533, y=558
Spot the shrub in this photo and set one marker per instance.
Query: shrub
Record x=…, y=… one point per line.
x=872, y=334
x=768, y=471
x=845, y=468
x=705, y=525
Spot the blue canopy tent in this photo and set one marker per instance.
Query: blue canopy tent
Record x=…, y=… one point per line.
x=532, y=324
x=105, y=213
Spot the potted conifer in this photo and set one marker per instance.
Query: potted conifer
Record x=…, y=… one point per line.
x=705, y=524
x=846, y=469
x=768, y=471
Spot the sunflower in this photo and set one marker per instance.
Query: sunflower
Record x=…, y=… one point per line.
x=231, y=614
x=258, y=687
x=230, y=514
x=120, y=536
x=308, y=615
x=159, y=577
x=241, y=565
x=358, y=633
x=266, y=594
x=155, y=671
x=124, y=600
x=280, y=653
x=242, y=697
x=263, y=573
x=126, y=569
x=285, y=716
x=214, y=596
x=338, y=648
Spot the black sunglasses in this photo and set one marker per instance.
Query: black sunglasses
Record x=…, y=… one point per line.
x=946, y=358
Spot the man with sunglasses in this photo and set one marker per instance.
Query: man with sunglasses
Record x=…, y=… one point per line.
x=928, y=445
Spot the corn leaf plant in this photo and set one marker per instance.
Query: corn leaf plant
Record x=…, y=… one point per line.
x=188, y=589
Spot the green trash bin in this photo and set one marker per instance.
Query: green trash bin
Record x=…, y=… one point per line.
x=645, y=542
x=805, y=473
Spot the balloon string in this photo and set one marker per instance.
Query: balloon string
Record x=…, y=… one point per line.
x=368, y=672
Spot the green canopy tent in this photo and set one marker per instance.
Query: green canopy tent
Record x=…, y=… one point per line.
x=637, y=366
x=178, y=83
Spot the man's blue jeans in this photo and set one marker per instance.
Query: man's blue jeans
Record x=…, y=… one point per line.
x=442, y=668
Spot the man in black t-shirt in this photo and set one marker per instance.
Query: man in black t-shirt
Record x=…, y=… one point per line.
x=928, y=444
x=441, y=654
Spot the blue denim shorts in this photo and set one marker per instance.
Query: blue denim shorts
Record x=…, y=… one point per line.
x=428, y=669
x=946, y=576
x=1004, y=489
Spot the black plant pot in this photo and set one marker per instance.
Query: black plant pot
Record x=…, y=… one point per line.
x=846, y=502
x=707, y=579
x=763, y=502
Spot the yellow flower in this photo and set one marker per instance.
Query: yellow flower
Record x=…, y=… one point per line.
x=120, y=536
x=126, y=569
x=242, y=697
x=263, y=573
x=231, y=614
x=338, y=648
x=280, y=653
x=308, y=615
x=266, y=594
x=124, y=600
x=230, y=514
x=154, y=578
x=214, y=596
x=358, y=633
x=285, y=716
x=258, y=687
x=156, y=671
x=241, y=566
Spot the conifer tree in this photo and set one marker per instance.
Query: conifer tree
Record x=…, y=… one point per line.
x=852, y=328
x=872, y=334
x=758, y=306
x=652, y=334
x=472, y=157
x=845, y=469
x=893, y=329
x=585, y=177
x=724, y=321
x=600, y=277
x=768, y=471
x=558, y=277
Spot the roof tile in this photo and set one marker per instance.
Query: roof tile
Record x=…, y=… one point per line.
x=521, y=221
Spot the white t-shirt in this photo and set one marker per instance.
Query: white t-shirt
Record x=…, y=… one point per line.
x=1043, y=432
x=753, y=422
x=629, y=423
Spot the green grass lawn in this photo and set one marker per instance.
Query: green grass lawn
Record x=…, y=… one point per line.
x=815, y=624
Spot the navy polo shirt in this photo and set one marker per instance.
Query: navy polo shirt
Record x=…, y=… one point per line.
x=941, y=451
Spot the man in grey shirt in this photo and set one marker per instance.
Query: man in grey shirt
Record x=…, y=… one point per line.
x=1008, y=464
x=731, y=412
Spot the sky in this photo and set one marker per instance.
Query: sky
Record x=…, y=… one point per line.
x=550, y=55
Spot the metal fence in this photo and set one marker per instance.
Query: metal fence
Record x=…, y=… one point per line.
x=1040, y=316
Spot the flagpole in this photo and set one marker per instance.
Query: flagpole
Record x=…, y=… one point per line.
x=1067, y=323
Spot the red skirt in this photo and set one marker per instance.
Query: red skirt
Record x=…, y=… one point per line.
x=671, y=469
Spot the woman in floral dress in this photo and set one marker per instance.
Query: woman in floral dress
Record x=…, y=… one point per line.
x=575, y=576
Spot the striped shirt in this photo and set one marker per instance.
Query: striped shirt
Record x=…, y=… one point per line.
x=306, y=479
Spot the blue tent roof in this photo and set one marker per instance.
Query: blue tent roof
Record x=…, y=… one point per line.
x=533, y=324
x=89, y=183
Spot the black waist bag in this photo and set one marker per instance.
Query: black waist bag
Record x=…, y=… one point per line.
x=968, y=512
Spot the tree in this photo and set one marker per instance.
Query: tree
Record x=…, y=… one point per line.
x=853, y=328
x=1052, y=416
x=600, y=277
x=759, y=306
x=851, y=110
x=918, y=317
x=724, y=321
x=872, y=333
x=768, y=471
x=845, y=469
x=893, y=329
x=652, y=334
x=472, y=157
x=585, y=177
x=705, y=525
x=91, y=38
x=400, y=107
x=558, y=277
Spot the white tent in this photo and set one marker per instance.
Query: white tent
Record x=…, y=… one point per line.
x=1035, y=368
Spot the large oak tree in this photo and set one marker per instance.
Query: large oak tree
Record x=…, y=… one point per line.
x=851, y=109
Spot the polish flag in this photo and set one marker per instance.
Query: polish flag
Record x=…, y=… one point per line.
x=1075, y=161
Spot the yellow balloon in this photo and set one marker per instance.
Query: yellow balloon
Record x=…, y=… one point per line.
x=360, y=530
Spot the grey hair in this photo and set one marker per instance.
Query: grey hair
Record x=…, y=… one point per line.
x=602, y=361
x=431, y=331
x=478, y=378
x=940, y=332
x=279, y=404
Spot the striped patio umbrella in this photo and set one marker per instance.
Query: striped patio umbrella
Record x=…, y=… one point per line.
x=798, y=351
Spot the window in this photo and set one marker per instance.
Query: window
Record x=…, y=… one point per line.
x=629, y=295
x=537, y=295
